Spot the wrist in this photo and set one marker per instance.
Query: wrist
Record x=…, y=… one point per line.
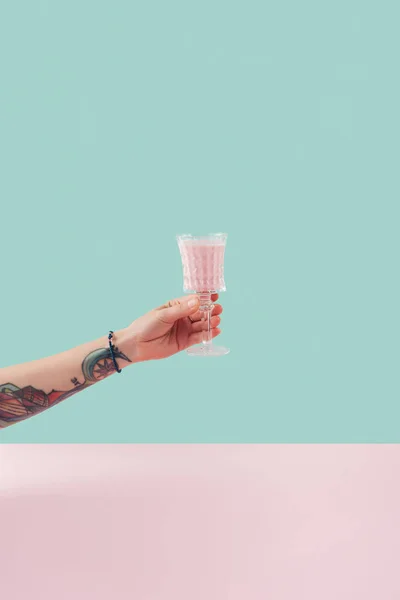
x=122, y=339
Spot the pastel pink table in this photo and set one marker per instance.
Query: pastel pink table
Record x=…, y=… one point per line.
x=199, y=522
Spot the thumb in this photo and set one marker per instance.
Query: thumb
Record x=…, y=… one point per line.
x=178, y=309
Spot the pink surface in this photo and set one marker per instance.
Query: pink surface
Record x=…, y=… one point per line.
x=200, y=522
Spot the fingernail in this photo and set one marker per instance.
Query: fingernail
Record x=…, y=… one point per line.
x=193, y=302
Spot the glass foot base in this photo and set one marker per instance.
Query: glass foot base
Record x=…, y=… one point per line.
x=207, y=350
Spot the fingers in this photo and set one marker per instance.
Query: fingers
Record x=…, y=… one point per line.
x=217, y=310
x=184, y=307
x=201, y=325
x=181, y=301
x=177, y=309
x=197, y=338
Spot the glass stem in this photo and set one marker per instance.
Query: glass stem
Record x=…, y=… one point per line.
x=206, y=306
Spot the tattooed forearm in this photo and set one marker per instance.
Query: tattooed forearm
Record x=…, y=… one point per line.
x=17, y=404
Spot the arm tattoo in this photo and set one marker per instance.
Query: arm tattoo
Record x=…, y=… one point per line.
x=17, y=404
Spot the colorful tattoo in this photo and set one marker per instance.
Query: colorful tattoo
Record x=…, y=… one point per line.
x=17, y=404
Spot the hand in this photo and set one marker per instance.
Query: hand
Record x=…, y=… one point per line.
x=169, y=329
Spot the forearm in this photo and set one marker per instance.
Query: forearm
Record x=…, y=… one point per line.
x=30, y=388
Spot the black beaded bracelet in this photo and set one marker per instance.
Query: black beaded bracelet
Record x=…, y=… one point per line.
x=112, y=348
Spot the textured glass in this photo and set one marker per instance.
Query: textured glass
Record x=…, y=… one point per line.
x=203, y=273
x=203, y=262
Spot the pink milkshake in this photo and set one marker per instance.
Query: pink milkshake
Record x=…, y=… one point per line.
x=203, y=262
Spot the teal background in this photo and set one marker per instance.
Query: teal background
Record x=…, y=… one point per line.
x=124, y=123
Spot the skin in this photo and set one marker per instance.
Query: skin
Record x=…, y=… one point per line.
x=30, y=388
x=171, y=328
